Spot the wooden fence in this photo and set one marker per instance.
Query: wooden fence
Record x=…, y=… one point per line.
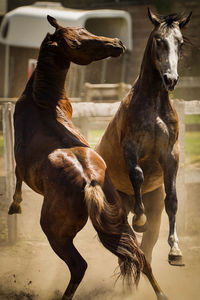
x=85, y=115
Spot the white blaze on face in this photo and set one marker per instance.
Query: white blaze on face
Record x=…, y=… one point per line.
x=173, y=53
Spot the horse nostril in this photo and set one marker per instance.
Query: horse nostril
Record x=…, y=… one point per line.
x=170, y=81
x=167, y=79
x=120, y=44
x=175, y=81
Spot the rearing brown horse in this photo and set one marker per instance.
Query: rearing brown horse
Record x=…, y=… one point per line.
x=140, y=145
x=55, y=160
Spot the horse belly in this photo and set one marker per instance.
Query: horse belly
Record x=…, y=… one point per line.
x=120, y=178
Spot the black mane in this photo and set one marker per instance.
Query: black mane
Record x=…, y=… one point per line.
x=170, y=19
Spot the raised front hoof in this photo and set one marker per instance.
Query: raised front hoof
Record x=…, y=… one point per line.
x=162, y=296
x=140, y=229
x=176, y=260
x=141, y=224
x=14, y=209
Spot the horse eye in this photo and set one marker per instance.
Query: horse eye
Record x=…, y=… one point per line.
x=158, y=42
x=181, y=45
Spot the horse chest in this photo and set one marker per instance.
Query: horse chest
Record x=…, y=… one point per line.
x=150, y=136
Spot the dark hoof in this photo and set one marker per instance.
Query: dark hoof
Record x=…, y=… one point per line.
x=15, y=208
x=176, y=260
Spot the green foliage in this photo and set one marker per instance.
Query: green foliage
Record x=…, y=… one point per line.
x=192, y=119
x=94, y=137
x=192, y=147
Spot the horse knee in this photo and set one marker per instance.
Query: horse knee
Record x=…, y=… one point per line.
x=136, y=176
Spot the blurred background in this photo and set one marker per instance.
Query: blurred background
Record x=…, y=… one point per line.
x=20, y=56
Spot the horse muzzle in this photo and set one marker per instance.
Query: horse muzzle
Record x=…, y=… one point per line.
x=119, y=47
x=170, y=81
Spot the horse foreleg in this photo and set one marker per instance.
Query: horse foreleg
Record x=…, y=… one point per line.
x=15, y=207
x=148, y=272
x=136, y=178
x=170, y=172
x=154, y=204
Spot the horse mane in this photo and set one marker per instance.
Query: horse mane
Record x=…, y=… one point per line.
x=170, y=19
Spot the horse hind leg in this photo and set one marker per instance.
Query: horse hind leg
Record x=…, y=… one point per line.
x=15, y=207
x=154, y=204
x=75, y=262
x=148, y=272
x=63, y=246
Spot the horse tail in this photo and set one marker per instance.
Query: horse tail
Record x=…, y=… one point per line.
x=114, y=232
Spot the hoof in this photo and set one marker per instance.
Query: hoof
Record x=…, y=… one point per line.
x=140, y=224
x=176, y=260
x=15, y=208
x=140, y=228
x=161, y=296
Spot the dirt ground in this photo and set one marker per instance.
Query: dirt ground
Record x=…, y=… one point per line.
x=30, y=269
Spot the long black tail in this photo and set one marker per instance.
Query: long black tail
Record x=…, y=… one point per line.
x=110, y=222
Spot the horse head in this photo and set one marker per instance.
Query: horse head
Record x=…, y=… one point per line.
x=167, y=41
x=78, y=45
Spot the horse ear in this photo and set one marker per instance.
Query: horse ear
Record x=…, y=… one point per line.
x=185, y=20
x=153, y=18
x=53, y=22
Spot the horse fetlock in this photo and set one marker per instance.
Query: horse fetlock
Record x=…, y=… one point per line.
x=17, y=197
x=175, y=251
x=15, y=208
x=173, y=240
x=138, y=209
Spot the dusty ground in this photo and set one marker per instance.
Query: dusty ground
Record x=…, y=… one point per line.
x=31, y=270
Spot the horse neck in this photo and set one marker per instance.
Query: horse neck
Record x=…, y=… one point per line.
x=49, y=82
x=149, y=86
